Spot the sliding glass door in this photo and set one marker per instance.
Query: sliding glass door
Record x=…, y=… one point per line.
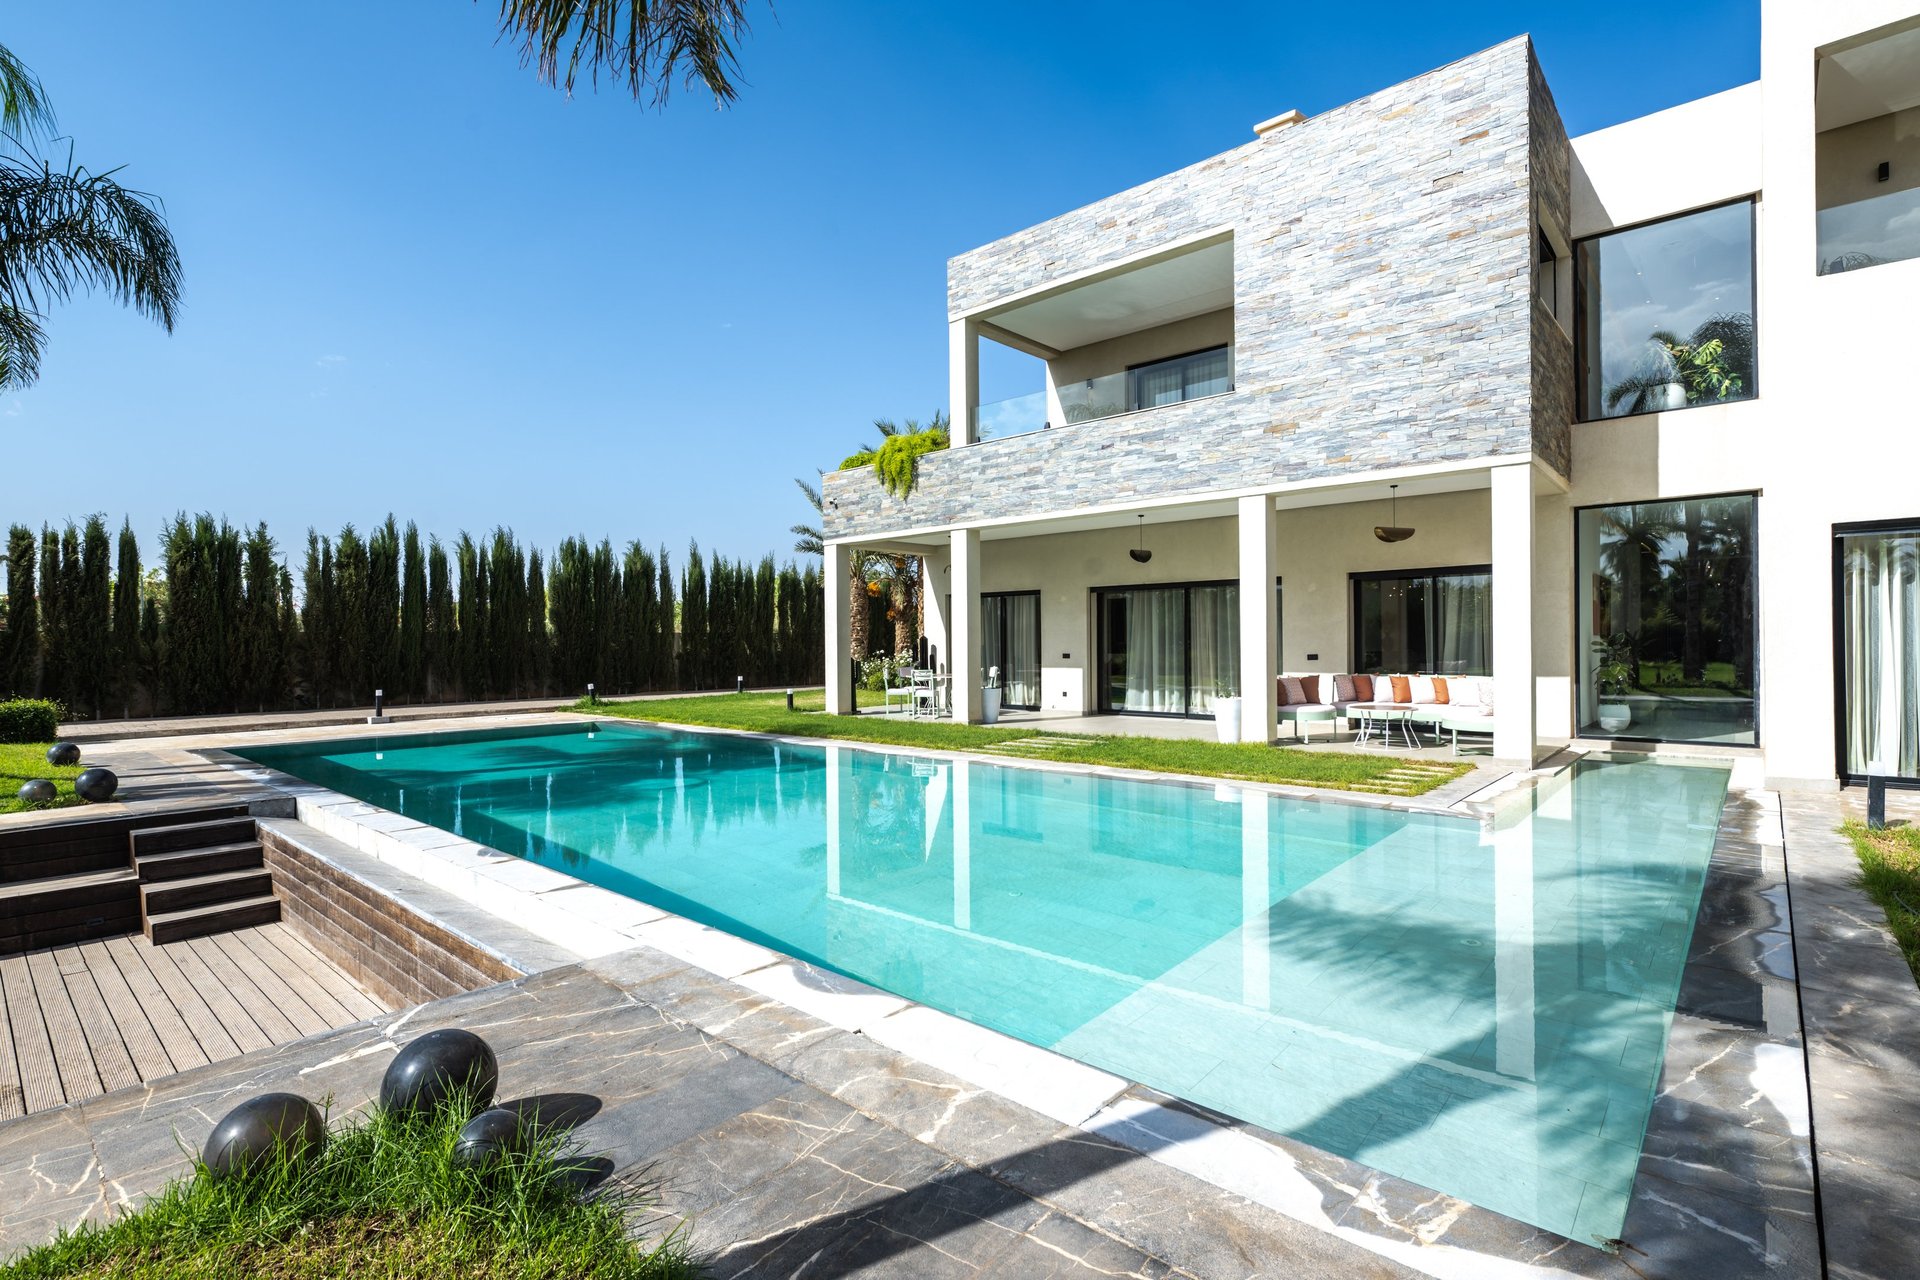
x=1429, y=621
x=1877, y=584
x=1168, y=650
x=1010, y=640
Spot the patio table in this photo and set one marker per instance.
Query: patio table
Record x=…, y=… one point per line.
x=1377, y=720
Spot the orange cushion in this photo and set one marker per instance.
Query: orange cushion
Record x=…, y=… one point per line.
x=1402, y=688
x=1439, y=688
x=1363, y=688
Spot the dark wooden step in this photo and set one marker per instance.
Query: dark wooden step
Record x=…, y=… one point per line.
x=182, y=864
x=160, y=897
x=220, y=917
x=190, y=835
x=58, y=910
x=73, y=842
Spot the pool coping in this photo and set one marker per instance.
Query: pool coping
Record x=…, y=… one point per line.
x=1712, y=1070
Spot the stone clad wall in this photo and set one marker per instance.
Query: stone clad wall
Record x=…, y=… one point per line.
x=1382, y=273
x=1553, y=389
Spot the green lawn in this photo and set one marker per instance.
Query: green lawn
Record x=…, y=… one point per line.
x=1890, y=873
x=767, y=713
x=383, y=1201
x=24, y=760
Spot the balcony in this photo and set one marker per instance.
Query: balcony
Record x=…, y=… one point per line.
x=1142, y=335
x=1869, y=233
x=1157, y=383
x=1866, y=161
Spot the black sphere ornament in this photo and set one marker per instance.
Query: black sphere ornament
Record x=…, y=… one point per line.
x=64, y=754
x=96, y=785
x=254, y=1130
x=431, y=1070
x=489, y=1136
x=38, y=791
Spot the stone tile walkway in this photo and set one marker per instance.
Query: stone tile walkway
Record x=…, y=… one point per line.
x=788, y=1146
x=80, y=1021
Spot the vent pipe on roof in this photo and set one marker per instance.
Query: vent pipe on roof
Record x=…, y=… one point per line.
x=1278, y=122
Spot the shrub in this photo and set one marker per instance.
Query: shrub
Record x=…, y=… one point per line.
x=29, y=720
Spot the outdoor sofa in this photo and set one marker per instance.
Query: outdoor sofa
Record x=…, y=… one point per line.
x=1451, y=704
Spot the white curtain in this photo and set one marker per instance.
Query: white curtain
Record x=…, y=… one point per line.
x=1216, y=645
x=1155, y=657
x=1012, y=626
x=1461, y=623
x=1880, y=603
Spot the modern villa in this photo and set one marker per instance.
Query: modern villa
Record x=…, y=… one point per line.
x=1608, y=429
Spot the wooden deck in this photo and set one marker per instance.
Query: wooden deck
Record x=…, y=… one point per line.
x=79, y=1021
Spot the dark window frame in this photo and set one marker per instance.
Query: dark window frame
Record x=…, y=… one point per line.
x=1376, y=575
x=1578, y=248
x=1841, y=531
x=1573, y=603
x=1133, y=382
x=1038, y=605
x=1103, y=687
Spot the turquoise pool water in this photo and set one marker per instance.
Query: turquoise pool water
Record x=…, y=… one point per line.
x=1481, y=1011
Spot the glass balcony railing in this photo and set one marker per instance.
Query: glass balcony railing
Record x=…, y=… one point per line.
x=1190, y=377
x=1868, y=233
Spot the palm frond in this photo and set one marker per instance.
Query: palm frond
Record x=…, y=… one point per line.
x=67, y=230
x=811, y=490
x=24, y=109
x=642, y=46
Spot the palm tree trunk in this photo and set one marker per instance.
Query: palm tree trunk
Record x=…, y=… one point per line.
x=858, y=617
x=903, y=611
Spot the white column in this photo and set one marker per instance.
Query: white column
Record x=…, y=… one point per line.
x=962, y=845
x=1256, y=900
x=1259, y=625
x=1513, y=967
x=1514, y=717
x=963, y=628
x=839, y=569
x=963, y=378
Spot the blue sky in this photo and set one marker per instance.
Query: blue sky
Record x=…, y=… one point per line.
x=417, y=280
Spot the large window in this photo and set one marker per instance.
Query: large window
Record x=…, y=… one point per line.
x=1168, y=650
x=1188, y=377
x=1010, y=640
x=1667, y=620
x=1877, y=582
x=1666, y=314
x=1431, y=621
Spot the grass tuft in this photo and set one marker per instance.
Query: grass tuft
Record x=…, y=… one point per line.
x=1890, y=873
x=1245, y=762
x=20, y=761
x=384, y=1199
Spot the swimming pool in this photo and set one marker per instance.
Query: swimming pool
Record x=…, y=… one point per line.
x=1483, y=1011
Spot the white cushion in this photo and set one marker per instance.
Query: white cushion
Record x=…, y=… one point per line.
x=1486, y=696
x=1421, y=687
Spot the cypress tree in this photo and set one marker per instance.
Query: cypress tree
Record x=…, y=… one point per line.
x=666, y=648
x=317, y=619
x=383, y=609
x=604, y=648
x=695, y=661
x=20, y=656
x=639, y=598
x=151, y=656
x=92, y=627
x=412, y=680
x=507, y=614
x=472, y=614
x=227, y=682
x=352, y=609
x=539, y=647
x=262, y=642
x=441, y=633
x=53, y=651
x=126, y=619
x=567, y=614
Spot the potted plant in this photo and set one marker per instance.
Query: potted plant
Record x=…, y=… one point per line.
x=1612, y=679
x=990, y=697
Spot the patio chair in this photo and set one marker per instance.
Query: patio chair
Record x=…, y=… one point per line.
x=926, y=693
x=903, y=693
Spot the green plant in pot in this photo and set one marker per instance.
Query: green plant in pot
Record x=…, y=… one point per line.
x=1613, y=680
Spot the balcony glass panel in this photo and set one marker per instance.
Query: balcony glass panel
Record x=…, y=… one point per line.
x=1014, y=416
x=1868, y=233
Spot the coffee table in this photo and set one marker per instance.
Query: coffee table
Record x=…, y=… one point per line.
x=1377, y=721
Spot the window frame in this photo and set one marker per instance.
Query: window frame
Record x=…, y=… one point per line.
x=1578, y=250
x=1354, y=580
x=1039, y=604
x=1133, y=371
x=1841, y=532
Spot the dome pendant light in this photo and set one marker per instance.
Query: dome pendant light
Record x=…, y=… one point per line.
x=1140, y=553
x=1394, y=532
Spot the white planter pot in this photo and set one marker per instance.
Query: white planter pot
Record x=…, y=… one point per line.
x=990, y=705
x=1615, y=716
x=1675, y=398
x=1226, y=718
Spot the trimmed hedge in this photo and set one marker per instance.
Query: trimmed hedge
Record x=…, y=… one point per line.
x=29, y=720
